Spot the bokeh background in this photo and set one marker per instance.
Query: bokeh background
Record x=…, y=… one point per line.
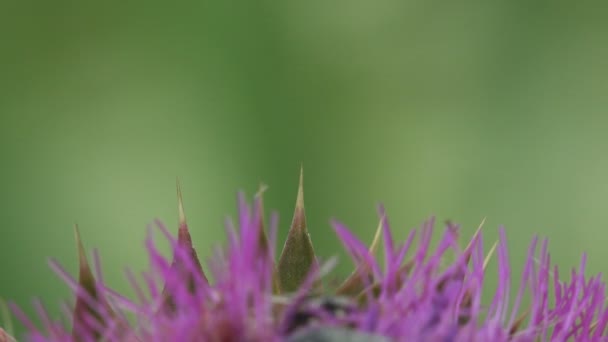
x=462, y=110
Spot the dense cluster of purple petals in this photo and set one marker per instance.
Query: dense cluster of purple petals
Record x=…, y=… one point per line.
x=417, y=293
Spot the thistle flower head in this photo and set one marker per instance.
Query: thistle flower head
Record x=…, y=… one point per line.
x=412, y=293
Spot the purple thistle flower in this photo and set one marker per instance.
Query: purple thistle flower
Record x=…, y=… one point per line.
x=415, y=294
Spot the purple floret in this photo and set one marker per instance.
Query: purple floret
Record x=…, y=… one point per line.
x=415, y=294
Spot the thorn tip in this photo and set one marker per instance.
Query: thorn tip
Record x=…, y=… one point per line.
x=300, y=198
x=261, y=190
x=180, y=204
x=82, y=255
x=376, y=240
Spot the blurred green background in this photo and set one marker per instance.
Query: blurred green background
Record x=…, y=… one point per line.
x=462, y=110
